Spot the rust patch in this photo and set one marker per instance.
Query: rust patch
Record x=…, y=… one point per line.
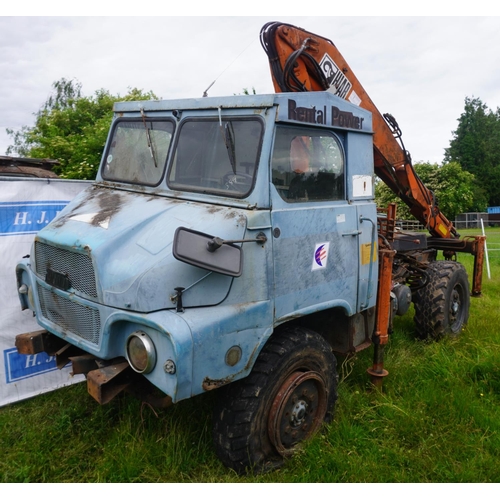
x=230, y=215
x=213, y=209
x=62, y=220
x=109, y=204
x=210, y=384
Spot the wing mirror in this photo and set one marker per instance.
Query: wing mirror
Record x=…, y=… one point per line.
x=198, y=249
x=210, y=252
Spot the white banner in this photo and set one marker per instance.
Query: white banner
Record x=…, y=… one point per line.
x=26, y=206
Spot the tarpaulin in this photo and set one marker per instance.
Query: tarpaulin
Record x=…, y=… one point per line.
x=26, y=206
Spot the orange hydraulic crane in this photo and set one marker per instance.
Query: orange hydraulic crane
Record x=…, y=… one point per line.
x=301, y=61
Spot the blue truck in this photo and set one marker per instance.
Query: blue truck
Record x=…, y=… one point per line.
x=233, y=244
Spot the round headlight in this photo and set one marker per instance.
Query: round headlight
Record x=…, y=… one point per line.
x=141, y=353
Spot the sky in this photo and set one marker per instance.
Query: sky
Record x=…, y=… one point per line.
x=418, y=68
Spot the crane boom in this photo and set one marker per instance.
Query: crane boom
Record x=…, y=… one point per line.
x=301, y=61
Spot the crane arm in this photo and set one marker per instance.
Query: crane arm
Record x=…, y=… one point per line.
x=301, y=61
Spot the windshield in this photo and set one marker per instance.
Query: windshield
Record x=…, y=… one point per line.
x=138, y=151
x=216, y=156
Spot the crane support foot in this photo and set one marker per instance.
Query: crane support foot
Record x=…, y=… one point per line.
x=377, y=372
x=377, y=375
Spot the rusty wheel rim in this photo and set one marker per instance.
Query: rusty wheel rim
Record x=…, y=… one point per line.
x=456, y=309
x=298, y=411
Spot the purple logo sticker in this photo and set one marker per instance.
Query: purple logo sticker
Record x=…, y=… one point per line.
x=320, y=256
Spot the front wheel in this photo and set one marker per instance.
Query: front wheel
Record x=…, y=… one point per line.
x=442, y=306
x=291, y=390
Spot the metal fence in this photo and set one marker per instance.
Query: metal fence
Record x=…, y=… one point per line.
x=409, y=225
x=471, y=220
x=463, y=221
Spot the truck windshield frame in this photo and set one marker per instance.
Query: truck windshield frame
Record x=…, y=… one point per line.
x=206, y=159
x=138, y=151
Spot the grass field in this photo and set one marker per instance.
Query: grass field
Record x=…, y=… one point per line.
x=436, y=420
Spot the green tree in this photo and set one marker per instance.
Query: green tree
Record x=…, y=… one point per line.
x=454, y=188
x=245, y=91
x=476, y=146
x=71, y=128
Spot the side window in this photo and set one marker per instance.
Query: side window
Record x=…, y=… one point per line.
x=307, y=165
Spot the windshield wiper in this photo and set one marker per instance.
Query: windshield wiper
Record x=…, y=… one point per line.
x=148, y=138
x=228, y=136
x=229, y=140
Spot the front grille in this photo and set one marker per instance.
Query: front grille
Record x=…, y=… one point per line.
x=73, y=318
x=77, y=266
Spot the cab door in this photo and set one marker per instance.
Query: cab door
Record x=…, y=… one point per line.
x=315, y=230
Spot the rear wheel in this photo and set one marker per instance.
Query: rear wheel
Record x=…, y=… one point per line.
x=442, y=306
x=292, y=389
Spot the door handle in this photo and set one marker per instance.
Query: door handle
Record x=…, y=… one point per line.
x=353, y=233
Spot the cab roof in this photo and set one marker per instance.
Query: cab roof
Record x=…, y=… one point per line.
x=318, y=108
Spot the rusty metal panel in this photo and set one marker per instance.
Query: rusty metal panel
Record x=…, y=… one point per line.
x=105, y=383
x=83, y=364
x=38, y=341
x=63, y=355
x=31, y=342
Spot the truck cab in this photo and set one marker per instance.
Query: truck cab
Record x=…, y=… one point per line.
x=215, y=227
